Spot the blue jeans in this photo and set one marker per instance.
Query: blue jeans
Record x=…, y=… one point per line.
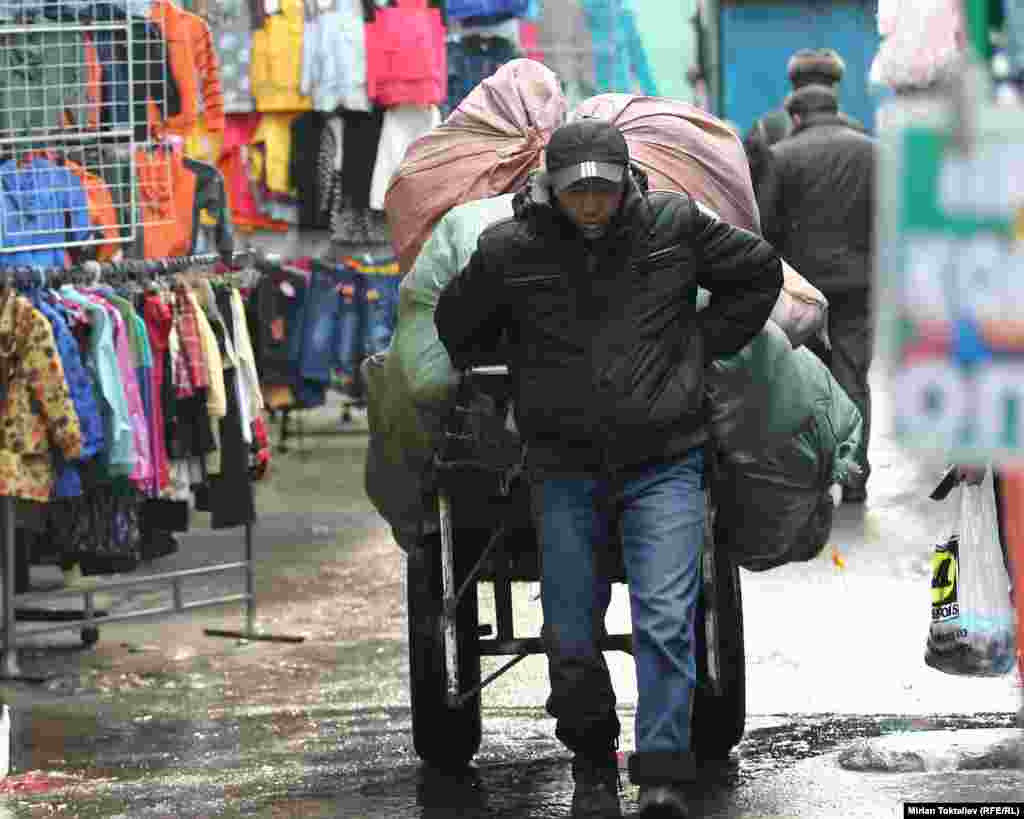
x=659, y=514
x=347, y=352
x=322, y=325
x=381, y=311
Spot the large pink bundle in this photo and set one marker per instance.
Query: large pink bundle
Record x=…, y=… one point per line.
x=681, y=147
x=488, y=146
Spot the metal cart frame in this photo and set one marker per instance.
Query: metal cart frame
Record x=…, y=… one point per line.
x=485, y=535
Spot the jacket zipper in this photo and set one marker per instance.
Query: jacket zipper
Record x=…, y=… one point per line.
x=657, y=256
x=523, y=281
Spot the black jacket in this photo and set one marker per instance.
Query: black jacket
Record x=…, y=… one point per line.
x=817, y=203
x=605, y=346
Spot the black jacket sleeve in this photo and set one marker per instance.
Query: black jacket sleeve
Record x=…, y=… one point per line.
x=743, y=273
x=211, y=197
x=469, y=315
x=769, y=196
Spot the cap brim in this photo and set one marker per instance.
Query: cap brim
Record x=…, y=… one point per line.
x=567, y=177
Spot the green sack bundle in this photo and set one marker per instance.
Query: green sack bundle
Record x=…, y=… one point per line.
x=411, y=386
x=774, y=505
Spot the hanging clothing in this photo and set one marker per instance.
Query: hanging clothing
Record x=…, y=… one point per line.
x=276, y=68
x=216, y=398
x=370, y=8
x=204, y=143
x=140, y=467
x=406, y=58
x=231, y=496
x=330, y=160
x=187, y=325
x=307, y=134
x=248, y=374
x=334, y=57
x=232, y=38
x=362, y=140
x=103, y=215
x=235, y=166
x=37, y=412
x=402, y=126
x=472, y=59
x=82, y=392
x=173, y=189
x=40, y=203
x=193, y=61
x=119, y=457
x=128, y=91
x=159, y=321
x=274, y=134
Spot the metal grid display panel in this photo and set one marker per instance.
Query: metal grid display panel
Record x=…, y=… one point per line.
x=84, y=88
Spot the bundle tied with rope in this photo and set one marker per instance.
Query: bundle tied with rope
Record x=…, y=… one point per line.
x=488, y=146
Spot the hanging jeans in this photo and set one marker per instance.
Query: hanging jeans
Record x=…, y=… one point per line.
x=323, y=318
x=660, y=513
x=348, y=352
x=381, y=312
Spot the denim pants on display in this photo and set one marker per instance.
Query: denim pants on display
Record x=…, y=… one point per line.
x=295, y=322
x=658, y=511
x=348, y=351
x=323, y=315
x=381, y=312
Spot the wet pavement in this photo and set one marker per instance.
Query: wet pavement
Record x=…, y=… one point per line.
x=159, y=720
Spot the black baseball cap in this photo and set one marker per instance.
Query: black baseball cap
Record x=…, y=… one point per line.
x=584, y=150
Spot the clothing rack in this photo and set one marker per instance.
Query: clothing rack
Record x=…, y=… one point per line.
x=89, y=618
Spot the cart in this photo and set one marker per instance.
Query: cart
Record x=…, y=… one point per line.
x=486, y=536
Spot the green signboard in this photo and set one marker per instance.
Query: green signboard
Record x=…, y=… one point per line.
x=950, y=270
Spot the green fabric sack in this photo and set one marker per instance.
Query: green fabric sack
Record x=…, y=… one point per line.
x=774, y=506
x=758, y=397
x=410, y=386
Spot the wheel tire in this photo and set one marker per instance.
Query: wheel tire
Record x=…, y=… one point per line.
x=444, y=737
x=719, y=720
x=90, y=635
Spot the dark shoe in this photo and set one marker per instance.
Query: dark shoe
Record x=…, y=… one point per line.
x=662, y=802
x=597, y=787
x=853, y=494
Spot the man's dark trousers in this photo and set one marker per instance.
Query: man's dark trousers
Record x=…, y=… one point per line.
x=852, y=333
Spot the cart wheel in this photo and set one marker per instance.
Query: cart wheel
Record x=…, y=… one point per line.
x=443, y=736
x=719, y=719
x=90, y=635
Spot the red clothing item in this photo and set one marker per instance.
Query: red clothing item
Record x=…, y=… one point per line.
x=529, y=40
x=407, y=55
x=159, y=321
x=234, y=165
x=191, y=343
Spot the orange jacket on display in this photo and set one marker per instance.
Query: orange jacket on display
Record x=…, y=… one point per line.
x=193, y=62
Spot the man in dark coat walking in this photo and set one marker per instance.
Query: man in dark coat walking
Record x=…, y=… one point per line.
x=808, y=66
x=817, y=210
x=593, y=284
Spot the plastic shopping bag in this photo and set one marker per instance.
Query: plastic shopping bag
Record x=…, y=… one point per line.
x=972, y=627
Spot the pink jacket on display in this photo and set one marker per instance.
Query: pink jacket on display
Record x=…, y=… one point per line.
x=406, y=56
